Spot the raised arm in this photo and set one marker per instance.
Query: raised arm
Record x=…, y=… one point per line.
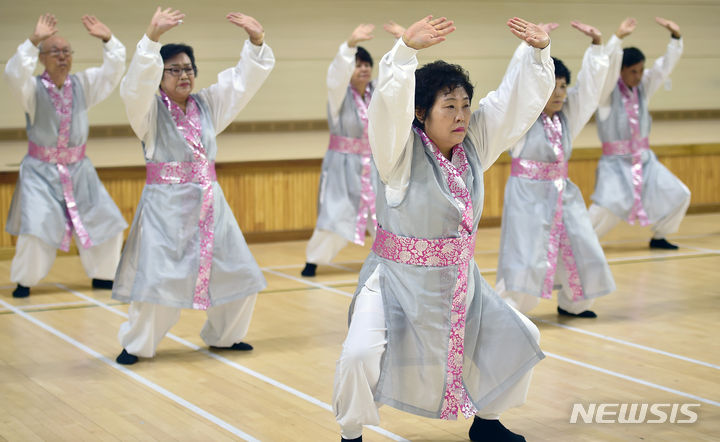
x=506, y=114
x=583, y=98
x=99, y=82
x=237, y=85
x=654, y=77
x=392, y=108
x=20, y=67
x=613, y=49
x=141, y=82
x=520, y=50
x=342, y=67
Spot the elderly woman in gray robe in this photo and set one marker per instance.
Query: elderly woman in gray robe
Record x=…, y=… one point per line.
x=346, y=195
x=547, y=237
x=185, y=248
x=631, y=184
x=427, y=334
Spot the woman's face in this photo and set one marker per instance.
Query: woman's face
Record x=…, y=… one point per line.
x=632, y=75
x=361, y=75
x=557, y=99
x=178, y=84
x=447, y=120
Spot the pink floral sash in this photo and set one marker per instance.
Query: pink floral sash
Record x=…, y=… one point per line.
x=559, y=242
x=360, y=146
x=634, y=146
x=458, y=251
x=201, y=171
x=61, y=156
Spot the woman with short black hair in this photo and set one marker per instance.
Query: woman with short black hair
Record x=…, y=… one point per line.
x=346, y=195
x=427, y=334
x=185, y=249
x=547, y=238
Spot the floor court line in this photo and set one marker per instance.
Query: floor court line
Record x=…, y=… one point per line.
x=628, y=343
x=634, y=379
x=544, y=321
x=613, y=373
x=44, y=306
x=153, y=386
x=237, y=366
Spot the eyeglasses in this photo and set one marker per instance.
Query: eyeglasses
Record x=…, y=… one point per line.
x=178, y=71
x=57, y=52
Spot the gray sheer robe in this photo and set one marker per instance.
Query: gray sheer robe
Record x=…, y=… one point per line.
x=414, y=200
x=38, y=204
x=529, y=205
x=161, y=257
x=340, y=187
x=662, y=191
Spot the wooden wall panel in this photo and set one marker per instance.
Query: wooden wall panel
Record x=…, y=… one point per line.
x=278, y=199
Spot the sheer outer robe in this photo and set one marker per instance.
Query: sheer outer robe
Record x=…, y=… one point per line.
x=160, y=260
x=414, y=200
x=529, y=205
x=661, y=191
x=38, y=204
x=340, y=187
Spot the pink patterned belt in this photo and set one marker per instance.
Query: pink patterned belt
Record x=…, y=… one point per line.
x=366, y=209
x=634, y=148
x=56, y=155
x=180, y=172
x=341, y=144
x=538, y=170
x=61, y=157
x=439, y=252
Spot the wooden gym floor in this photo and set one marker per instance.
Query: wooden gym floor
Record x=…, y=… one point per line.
x=652, y=343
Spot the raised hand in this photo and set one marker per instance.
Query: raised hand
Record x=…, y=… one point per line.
x=531, y=33
x=669, y=25
x=427, y=32
x=626, y=27
x=46, y=27
x=588, y=30
x=162, y=21
x=393, y=28
x=96, y=28
x=548, y=27
x=253, y=27
x=363, y=32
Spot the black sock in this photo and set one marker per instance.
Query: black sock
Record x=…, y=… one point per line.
x=583, y=314
x=106, y=284
x=238, y=346
x=662, y=243
x=491, y=430
x=126, y=358
x=309, y=269
x=21, y=291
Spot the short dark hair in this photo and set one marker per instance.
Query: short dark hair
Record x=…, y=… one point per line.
x=561, y=71
x=363, y=55
x=632, y=56
x=436, y=77
x=172, y=49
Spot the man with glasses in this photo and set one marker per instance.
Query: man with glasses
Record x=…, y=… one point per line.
x=58, y=194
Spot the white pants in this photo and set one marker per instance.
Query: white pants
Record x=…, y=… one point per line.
x=148, y=323
x=325, y=245
x=358, y=369
x=524, y=302
x=603, y=220
x=34, y=258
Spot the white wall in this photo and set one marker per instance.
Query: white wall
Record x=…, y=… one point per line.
x=305, y=36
